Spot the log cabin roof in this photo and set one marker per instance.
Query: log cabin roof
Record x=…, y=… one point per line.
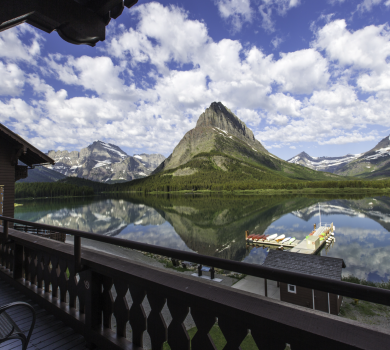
x=28, y=154
x=314, y=265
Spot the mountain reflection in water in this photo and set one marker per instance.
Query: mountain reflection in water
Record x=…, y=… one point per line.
x=215, y=224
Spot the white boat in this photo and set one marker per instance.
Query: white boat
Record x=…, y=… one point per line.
x=291, y=240
x=272, y=237
x=285, y=240
x=279, y=238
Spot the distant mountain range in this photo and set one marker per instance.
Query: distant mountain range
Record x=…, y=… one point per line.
x=222, y=151
x=100, y=161
x=42, y=174
x=374, y=163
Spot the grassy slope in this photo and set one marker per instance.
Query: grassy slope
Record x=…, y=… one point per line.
x=243, y=152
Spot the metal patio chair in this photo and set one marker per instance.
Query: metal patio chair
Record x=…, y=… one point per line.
x=8, y=328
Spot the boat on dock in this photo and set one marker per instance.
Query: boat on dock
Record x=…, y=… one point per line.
x=322, y=235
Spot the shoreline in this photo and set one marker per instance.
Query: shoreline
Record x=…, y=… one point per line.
x=266, y=192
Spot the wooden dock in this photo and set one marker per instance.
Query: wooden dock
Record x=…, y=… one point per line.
x=48, y=334
x=297, y=246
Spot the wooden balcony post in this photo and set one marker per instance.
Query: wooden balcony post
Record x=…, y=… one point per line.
x=18, y=262
x=3, y=243
x=93, y=305
x=77, y=253
x=5, y=231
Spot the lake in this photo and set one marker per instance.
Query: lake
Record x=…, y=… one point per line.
x=215, y=224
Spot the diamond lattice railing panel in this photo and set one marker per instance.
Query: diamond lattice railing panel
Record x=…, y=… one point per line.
x=72, y=284
x=121, y=309
x=249, y=343
x=40, y=269
x=33, y=266
x=157, y=327
x=204, y=322
x=54, y=275
x=178, y=338
x=63, y=279
x=107, y=301
x=82, y=286
x=47, y=272
x=137, y=316
x=233, y=332
x=267, y=340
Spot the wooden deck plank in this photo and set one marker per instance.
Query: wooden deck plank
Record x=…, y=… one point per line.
x=62, y=341
x=77, y=343
x=51, y=341
x=48, y=334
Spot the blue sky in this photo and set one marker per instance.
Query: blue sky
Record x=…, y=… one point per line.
x=304, y=75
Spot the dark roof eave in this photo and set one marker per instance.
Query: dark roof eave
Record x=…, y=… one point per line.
x=37, y=157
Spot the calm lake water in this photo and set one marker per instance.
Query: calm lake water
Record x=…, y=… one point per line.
x=215, y=224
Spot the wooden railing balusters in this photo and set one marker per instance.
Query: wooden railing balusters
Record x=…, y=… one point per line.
x=77, y=253
x=121, y=308
x=54, y=276
x=178, y=338
x=46, y=272
x=272, y=324
x=62, y=279
x=234, y=332
x=33, y=267
x=107, y=301
x=39, y=269
x=72, y=284
x=137, y=316
x=157, y=327
x=18, y=262
x=269, y=339
x=81, y=287
x=204, y=321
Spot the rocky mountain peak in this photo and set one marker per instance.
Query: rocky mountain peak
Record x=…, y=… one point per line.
x=217, y=115
x=101, y=161
x=303, y=155
x=384, y=143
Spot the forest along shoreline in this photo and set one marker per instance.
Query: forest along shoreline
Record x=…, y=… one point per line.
x=85, y=188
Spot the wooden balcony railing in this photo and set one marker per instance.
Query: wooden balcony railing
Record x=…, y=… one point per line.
x=56, y=275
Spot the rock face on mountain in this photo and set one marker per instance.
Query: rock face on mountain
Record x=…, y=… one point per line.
x=104, y=162
x=373, y=163
x=222, y=147
x=217, y=129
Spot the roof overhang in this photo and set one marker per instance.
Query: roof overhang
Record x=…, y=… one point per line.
x=76, y=21
x=24, y=151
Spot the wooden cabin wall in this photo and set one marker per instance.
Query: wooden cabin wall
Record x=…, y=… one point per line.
x=7, y=178
x=303, y=297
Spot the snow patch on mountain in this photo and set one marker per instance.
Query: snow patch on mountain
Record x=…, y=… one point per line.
x=383, y=152
x=112, y=149
x=101, y=163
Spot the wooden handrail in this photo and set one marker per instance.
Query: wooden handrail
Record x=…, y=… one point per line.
x=357, y=291
x=44, y=270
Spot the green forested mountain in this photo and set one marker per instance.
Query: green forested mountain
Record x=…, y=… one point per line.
x=221, y=152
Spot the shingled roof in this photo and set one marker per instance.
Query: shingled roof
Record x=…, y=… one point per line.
x=314, y=265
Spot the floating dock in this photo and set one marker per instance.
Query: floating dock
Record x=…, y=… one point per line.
x=310, y=245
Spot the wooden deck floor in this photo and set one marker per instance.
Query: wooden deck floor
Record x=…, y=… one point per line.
x=49, y=333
